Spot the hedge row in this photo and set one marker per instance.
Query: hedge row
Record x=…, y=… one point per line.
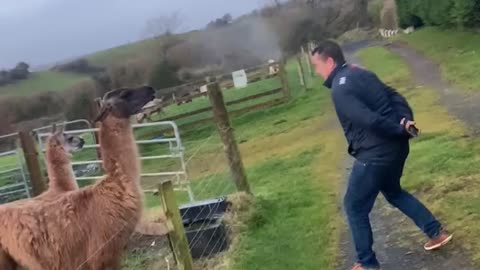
x=460, y=13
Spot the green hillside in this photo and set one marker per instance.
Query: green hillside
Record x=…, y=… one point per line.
x=120, y=54
x=41, y=82
x=144, y=48
x=59, y=81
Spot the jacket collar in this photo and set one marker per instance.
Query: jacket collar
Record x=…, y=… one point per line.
x=329, y=81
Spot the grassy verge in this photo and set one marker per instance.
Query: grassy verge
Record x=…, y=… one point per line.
x=296, y=212
x=41, y=82
x=442, y=168
x=457, y=52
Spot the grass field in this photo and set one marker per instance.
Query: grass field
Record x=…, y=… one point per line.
x=41, y=82
x=442, y=168
x=456, y=51
x=229, y=95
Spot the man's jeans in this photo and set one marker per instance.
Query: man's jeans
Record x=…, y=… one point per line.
x=366, y=181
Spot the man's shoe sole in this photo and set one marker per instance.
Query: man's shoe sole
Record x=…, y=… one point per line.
x=439, y=245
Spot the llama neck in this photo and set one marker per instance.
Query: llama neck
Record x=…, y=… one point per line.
x=118, y=148
x=60, y=172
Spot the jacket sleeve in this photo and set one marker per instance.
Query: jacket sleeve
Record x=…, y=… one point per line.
x=398, y=102
x=350, y=106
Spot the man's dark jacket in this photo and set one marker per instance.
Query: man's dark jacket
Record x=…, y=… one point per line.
x=370, y=113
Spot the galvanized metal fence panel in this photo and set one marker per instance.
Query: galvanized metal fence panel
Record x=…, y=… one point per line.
x=14, y=176
x=176, y=151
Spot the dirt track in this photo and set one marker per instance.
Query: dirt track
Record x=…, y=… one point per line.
x=398, y=242
x=461, y=104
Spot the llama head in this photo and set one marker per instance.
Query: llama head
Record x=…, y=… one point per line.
x=63, y=144
x=125, y=102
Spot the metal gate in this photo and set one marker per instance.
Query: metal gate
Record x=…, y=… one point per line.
x=165, y=147
x=13, y=179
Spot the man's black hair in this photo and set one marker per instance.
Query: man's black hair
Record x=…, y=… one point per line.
x=331, y=49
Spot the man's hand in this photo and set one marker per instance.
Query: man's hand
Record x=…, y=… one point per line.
x=410, y=127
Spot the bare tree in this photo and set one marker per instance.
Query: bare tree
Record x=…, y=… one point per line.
x=163, y=24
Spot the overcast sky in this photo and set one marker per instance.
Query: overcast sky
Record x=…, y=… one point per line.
x=44, y=31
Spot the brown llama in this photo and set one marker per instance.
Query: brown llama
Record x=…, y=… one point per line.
x=59, y=147
x=87, y=228
x=62, y=179
x=59, y=166
x=58, y=161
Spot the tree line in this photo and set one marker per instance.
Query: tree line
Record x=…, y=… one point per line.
x=445, y=13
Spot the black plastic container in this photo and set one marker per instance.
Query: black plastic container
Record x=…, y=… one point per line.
x=207, y=238
x=206, y=233
x=196, y=211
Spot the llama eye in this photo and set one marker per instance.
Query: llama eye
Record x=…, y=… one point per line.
x=70, y=139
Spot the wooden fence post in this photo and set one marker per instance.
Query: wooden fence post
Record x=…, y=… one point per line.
x=30, y=153
x=301, y=74
x=307, y=61
x=220, y=114
x=283, y=78
x=177, y=236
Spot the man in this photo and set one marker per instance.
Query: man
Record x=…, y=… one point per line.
x=375, y=120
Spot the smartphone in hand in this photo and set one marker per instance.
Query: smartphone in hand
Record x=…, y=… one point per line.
x=413, y=131
x=410, y=127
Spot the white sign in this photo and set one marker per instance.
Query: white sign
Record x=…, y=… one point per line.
x=203, y=89
x=239, y=78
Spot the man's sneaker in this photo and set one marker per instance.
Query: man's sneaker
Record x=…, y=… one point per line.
x=442, y=239
x=357, y=266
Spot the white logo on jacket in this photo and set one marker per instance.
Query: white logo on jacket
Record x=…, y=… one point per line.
x=342, y=81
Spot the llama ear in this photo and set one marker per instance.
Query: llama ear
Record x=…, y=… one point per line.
x=57, y=129
x=105, y=110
